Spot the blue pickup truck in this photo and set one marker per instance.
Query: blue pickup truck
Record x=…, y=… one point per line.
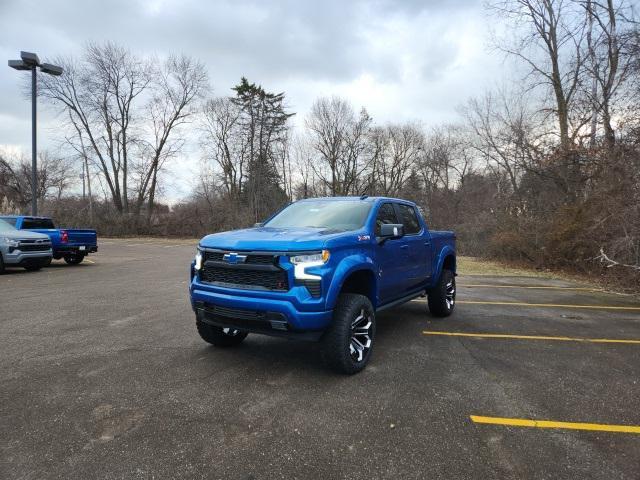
x=72, y=244
x=320, y=269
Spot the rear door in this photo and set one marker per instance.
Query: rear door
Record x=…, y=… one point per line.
x=418, y=247
x=390, y=257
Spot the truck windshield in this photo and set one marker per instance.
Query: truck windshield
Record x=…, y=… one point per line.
x=6, y=226
x=336, y=215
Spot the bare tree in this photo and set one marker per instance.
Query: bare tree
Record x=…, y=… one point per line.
x=176, y=88
x=55, y=177
x=505, y=133
x=395, y=152
x=550, y=43
x=340, y=140
x=222, y=143
x=102, y=92
x=122, y=112
x=609, y=41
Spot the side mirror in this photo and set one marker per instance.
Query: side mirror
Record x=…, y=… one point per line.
x=258, y=225
x=390, y=231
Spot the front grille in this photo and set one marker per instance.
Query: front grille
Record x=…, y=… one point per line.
x=259, y=271
x=252, y=259
x=236, y=313
x=34, y=247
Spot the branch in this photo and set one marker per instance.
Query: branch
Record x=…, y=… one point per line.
x=612, y=263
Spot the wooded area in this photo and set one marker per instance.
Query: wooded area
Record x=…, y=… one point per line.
x=543, y=170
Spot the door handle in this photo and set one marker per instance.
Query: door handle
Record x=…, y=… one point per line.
x=404, y=247
x=427, y=243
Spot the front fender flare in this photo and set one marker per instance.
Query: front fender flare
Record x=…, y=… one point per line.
x=345, y=268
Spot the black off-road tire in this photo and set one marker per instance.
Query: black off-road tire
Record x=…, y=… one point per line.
x=219, y=336
x=353, y=321
x=442, y=297
x=33, y=268
x=73, y=259
x=1, y=265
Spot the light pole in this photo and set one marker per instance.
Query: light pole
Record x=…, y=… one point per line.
x=30, y=61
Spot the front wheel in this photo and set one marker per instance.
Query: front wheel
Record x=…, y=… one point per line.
x=73, y=259
x=442, y=297
x=348, y=342
x=220, y=336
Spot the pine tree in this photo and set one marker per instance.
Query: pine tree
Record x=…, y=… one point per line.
x=264, y=121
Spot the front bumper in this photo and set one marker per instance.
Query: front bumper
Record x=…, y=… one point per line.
x=20, y=259
x=270, y=314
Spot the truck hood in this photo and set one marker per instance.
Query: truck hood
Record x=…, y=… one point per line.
x=23, y=234
x=270, y=239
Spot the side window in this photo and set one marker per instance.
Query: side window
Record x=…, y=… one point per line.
x=386, y=215
x=409, y=219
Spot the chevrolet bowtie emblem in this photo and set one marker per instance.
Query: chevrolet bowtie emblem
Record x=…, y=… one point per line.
x=233, y=257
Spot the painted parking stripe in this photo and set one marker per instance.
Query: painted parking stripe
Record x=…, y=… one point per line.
x=533, y=287
x=533, y=337
x=549, y=305
x=520, y=422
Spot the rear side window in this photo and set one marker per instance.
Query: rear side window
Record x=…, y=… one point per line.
x=409, y=219
x=386, y=215
x=28, y=223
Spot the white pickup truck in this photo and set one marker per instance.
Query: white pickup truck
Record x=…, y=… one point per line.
x=19, y=248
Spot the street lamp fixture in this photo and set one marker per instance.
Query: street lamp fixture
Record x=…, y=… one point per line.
x=30, y=61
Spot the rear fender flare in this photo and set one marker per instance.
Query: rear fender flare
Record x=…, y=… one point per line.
x=447, y=251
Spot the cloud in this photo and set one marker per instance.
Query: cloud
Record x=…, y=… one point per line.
x=403, y=60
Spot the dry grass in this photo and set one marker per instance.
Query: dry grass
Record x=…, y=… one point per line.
x=478, y=266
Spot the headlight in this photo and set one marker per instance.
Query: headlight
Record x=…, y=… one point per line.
x=198, y=264
x=303, y=262
x=315, y=258
x=10, y=241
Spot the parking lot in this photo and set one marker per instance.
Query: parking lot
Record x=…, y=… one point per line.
x=104, y=376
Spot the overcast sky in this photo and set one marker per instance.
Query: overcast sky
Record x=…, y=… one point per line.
x=404, y=60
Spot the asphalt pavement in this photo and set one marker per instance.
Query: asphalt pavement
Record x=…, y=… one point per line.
x=103, y=376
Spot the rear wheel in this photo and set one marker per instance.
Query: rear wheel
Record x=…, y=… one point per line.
x=73, y=258
x=442, y=297
x=220, y=336
x=33, y=268
x=1, y=265
x=348, y=342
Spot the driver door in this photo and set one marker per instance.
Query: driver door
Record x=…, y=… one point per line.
x=391, y=258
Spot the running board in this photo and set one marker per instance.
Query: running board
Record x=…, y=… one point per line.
x=400, y=301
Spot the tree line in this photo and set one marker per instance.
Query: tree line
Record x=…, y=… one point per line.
x=544, y=169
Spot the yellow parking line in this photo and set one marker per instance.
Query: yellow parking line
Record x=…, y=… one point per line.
x=533, y=287
x=554, y=305
x=89, y=261
x=532, y=337
x=519, y=422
